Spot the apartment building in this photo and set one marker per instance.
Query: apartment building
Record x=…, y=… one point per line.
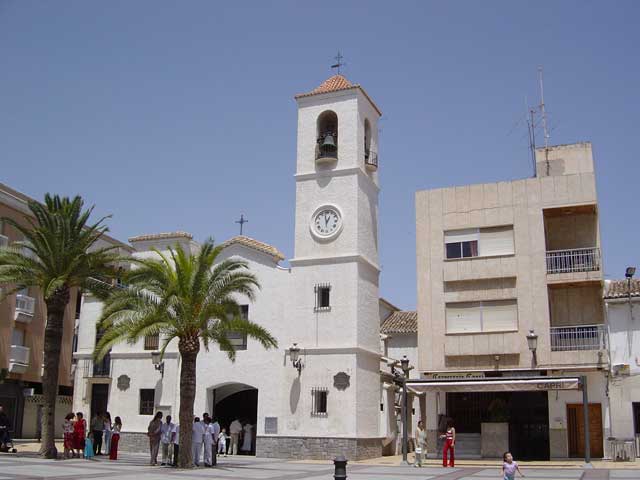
x=509, y=279
x=22, y=323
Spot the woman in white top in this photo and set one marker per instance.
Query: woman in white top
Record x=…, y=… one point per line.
x=106, y=432
x=247, y=438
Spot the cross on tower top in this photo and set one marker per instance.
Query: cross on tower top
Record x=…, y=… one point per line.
x=338, y=58
x=242, y=221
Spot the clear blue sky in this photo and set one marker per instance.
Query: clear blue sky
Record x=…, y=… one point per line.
x=180, y=115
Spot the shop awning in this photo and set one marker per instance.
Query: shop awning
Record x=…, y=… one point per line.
x=497, y=384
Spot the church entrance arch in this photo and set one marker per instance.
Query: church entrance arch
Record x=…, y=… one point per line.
x=236, y=401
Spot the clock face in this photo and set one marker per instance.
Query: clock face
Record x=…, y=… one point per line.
x=326, y=222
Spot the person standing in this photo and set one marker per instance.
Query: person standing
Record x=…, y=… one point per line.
x=153, y=432
x=247, y=439
x=88, y=446
x=97, y=425
x=166, y=434
x=175, y=440
x=67, y=429
x=234, y=430
x=449, y=445
x=115, y=439
x=197, y=438
x=207, y=442
x=421, y=444
x=79, y=432
x=222, y=442
x=106, y=432
x=215, y=433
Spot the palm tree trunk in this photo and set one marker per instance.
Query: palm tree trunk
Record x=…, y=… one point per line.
x=189, y=349
x=56, y=306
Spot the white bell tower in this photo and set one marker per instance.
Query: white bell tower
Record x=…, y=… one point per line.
x=335, y=298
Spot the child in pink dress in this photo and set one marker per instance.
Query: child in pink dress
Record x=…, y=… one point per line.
x=509, y=467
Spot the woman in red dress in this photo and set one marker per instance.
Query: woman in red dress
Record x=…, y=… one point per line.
x=79, y=432
x=115, y=438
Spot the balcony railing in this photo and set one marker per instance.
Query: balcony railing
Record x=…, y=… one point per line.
x=18, y=359
x=4, y=240
x=103, y=367
x=371, y=160
x=25, y=304
x=573, y=260
x=579, y=337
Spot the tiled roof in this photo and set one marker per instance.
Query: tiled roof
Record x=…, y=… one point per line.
x=337, y=83
x=256, y=245
x=400, y=322
x=161, y=236
x=620, y=288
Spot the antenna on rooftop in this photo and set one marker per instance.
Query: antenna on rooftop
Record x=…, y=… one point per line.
x=543, y=112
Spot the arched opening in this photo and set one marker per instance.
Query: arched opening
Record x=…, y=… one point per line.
x=327, y=136
x=237, y=401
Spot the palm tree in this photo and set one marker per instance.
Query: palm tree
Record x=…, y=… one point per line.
x=59, y=253
x=188, y=297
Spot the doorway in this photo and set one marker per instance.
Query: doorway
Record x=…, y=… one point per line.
x=237, y=401
x=575, y=430
x=99, y=398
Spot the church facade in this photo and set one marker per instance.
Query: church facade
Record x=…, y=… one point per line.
x=324, y=308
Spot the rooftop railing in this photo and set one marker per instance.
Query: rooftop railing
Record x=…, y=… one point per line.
x=573, y=260
x=371, y=160
x=578, y=337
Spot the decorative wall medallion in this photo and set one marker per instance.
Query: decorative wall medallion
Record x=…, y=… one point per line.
x=341, y=381
x=123, y=382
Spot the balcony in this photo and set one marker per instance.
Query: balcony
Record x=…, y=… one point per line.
x=25, y=308
x=573, y=260
x=371, y=161
x=578, y=338
x=18, y=359
x=4, y=240
x=103, y=367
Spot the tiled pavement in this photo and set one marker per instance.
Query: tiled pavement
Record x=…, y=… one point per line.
x=132, y=467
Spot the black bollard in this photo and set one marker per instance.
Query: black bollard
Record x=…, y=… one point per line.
x=340, y=464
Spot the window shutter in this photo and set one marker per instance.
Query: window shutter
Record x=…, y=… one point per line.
x=496, y=241
x=499, y=316
x=463, y=317
x=466, y=235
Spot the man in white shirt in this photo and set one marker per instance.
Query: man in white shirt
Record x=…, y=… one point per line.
x=234, y=429
x=175, y=440
x=166, y=431
x=215, y=433
x=196, y=440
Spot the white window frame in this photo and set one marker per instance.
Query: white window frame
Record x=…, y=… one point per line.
x=482, y=329
x=465, y=235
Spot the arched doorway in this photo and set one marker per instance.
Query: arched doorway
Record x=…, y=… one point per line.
x=236, y=401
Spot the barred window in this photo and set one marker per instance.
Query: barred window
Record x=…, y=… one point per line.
x=152, y=342
x=323, y=297
x=319, y=401
x=239, y=340
x=147, y=401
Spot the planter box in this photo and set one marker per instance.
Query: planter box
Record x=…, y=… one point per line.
x=494, y=439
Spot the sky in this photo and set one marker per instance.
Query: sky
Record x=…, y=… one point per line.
x=180, y=115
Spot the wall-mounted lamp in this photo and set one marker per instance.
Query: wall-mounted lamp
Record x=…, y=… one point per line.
x=532, y=341
x=294, y=353
x=156, y=359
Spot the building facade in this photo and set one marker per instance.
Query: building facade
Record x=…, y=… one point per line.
x=622, y=303
x=22, y=323
x=326, y=302
x=497, y=262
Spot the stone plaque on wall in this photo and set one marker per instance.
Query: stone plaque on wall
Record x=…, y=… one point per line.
x=341, y=381
x=123, y=382
x=270, y=425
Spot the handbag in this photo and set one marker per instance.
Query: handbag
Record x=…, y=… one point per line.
x=418, y=450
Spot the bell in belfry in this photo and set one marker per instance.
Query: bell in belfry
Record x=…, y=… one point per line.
x=328, y=144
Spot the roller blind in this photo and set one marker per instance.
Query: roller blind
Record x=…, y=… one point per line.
x=496, y=241
x=499, y=316
x=466, y=235
x=463, y=317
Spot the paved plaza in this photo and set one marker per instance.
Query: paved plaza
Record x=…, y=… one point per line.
x=132, y=467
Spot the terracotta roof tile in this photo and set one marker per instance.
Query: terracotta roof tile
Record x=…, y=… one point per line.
x=400, y=322
x=256, y=245
x=337, y=83
x=161, y=236
x=620, y=289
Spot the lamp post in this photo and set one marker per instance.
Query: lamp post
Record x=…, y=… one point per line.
x=532, y=342
x=294, y=354
x=404, y=365
x=629, y=273
x=156, y=359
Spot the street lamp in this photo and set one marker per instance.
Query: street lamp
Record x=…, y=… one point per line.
x=404, y=365
x=294, y=354
x=629, y=273
x=156, y=359
x=532, y=341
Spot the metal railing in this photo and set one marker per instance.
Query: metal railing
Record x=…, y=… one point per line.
x=371, y=159
x=25, y=304
x=103, y=367
x=573, y=260
x=579, y=337
x=4, y=240
x=152, y=342
x=19, y=354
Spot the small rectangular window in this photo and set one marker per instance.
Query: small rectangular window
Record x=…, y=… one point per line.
x=319, y=401
x=238, y=340
x=152, y=342
x=323, y=297
x=479, y=242
x=147, y=401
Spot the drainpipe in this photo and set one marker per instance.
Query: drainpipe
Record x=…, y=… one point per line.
x=585, y=412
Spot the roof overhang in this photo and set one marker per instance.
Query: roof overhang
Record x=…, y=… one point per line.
x=498, y=384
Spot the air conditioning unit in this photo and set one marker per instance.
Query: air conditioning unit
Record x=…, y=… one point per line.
x=28, y=392
x=620, y=369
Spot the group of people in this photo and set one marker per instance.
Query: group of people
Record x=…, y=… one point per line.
x=82, y=441
x=207, y=442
